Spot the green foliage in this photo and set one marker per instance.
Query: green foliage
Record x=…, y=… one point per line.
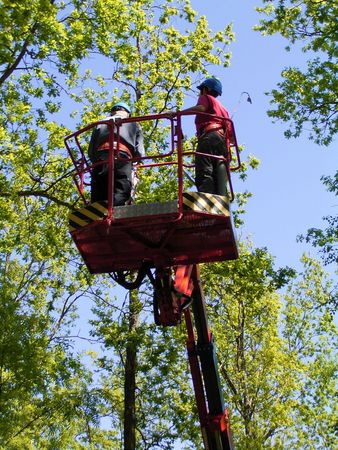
x=276, y=353
x=47, y=398
x=306, y=97
x=164, y=401
x=311, y=333
x=40, y=275
x=148, y=38
x=326, y=240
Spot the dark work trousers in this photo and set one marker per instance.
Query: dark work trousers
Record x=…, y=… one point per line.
x=210, y=173
x=122, y=181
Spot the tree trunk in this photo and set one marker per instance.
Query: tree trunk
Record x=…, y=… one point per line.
x=130, y=374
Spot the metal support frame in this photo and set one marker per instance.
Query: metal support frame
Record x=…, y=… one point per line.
x=213, y=415
x=97, y=229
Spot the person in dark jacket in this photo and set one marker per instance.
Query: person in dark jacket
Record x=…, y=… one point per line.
x=130, y=145
x=214, y=136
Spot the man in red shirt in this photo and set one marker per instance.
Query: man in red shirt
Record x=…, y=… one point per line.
x=214, y=136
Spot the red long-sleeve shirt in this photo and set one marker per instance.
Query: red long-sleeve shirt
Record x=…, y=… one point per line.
x=213, y=106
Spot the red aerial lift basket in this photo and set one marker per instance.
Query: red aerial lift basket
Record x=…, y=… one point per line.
x=194, y=228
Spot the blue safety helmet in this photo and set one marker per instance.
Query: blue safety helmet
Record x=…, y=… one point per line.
x=120, y=105
x=213, y=84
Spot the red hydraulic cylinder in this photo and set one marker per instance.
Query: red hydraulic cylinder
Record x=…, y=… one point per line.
x=213, y=415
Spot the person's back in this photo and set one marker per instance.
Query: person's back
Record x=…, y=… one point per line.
x=130, y=146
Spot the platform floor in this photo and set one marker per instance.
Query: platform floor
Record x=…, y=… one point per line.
x=156, y=234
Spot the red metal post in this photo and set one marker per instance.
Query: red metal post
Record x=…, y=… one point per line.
x=111, y=162
x=204, y=369
x=196, y=374
x=180, y=163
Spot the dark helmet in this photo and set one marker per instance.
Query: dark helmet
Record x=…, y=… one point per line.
x=122, y=105
x=213, y=84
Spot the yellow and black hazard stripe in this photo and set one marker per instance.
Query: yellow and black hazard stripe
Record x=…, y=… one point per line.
x=87, y=215
x=206, y=203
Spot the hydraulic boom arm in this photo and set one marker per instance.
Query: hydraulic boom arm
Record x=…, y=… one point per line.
x=171, y=296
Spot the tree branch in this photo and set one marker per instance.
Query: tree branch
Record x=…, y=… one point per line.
x=39, y=193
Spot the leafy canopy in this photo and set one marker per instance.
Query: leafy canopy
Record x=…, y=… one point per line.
x=306, y=97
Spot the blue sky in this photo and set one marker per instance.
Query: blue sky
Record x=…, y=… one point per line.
x=288, y=196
